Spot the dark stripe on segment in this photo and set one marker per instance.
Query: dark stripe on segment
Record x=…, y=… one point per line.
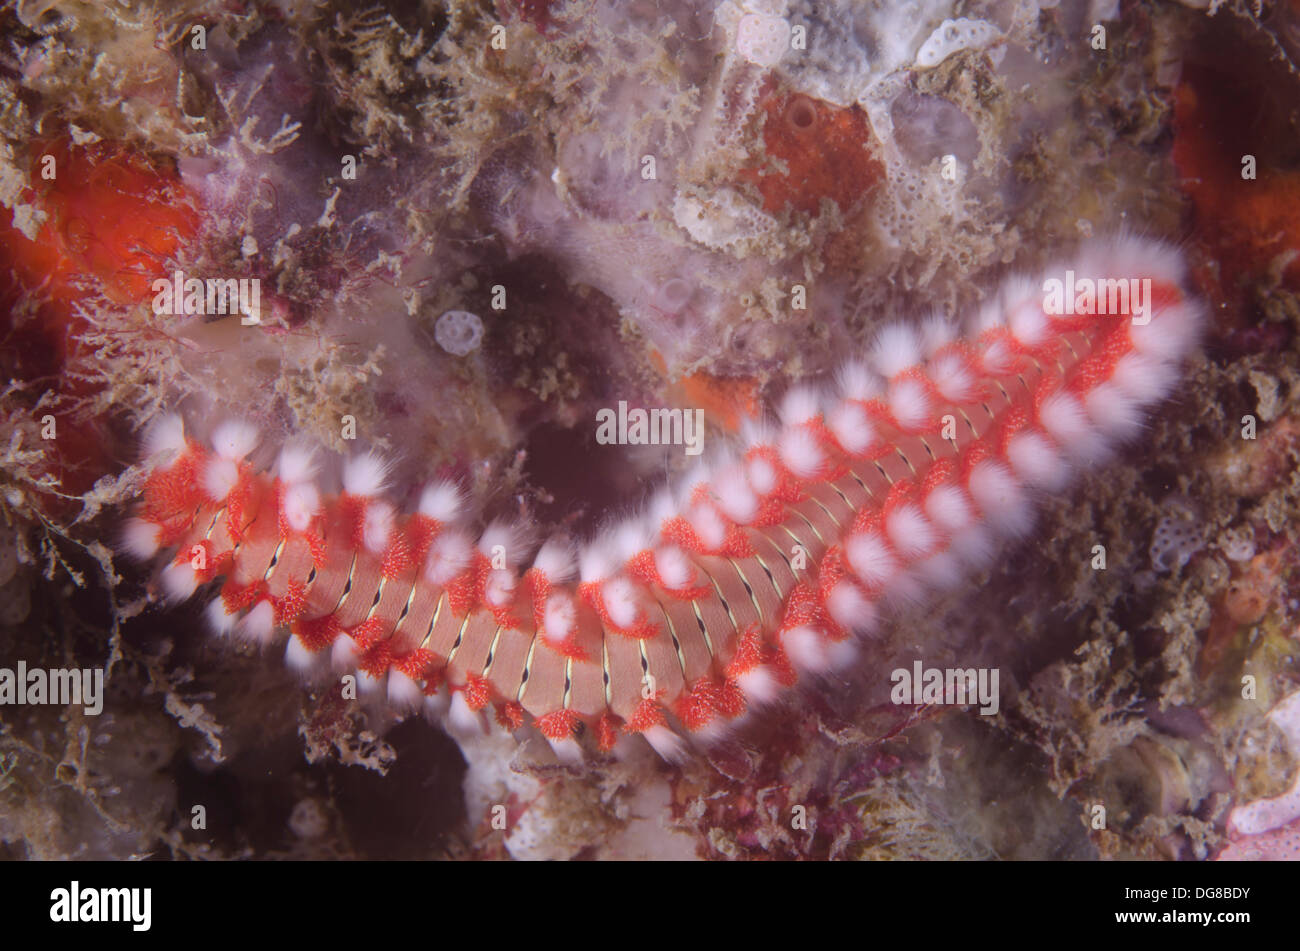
x=763, y=593
x=672, y=635
x=623, y=664
x=547, y=672
x=360, y=599
x=509, y=660
x=695, y=653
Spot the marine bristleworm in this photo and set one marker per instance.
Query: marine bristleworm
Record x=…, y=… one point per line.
x=759, y=568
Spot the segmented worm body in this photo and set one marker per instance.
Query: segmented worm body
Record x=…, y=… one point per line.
x=768, y=565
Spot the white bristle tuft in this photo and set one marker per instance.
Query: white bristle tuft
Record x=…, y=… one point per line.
x=369, y=687
x=219, y=620
x=761, y=474
x=1025, y=317
x=179, y=582
x=167, y=434
x=508, y=540
x=377, y=527
x=1130, y=254
x=663, y=506
x=843, y=654
x=952, y=377
x=449, y=555
x=856, y=381
x=296, y=464
x=759, y=685
x=714, y=731
x=910, y=403
x=234, y=439
x=442, y=502
x=948, y=507
x=258, y=624
x=622, y=600
x=799, y=405
x=462, y=720
x=910, y=534
x=344, y=654
x=140, y=538
x=852, y=428
x=405, y=694
x=906, y=590
x=942, y=571
x=631, y=537
x=1113, y=412
x=974, y=546
x=937, y=332
x=1037, y=461
x=219, y=477
x=597, y=562
x=800, y=453
x=556, y=561
x=674, y=567
x=1064, y=419
x=666, y=743
x=499, y=587
x=896, y=349
x=365, y=475
x=734, y=495
x=1143, y=378
x=1000, y=498
x=300, y=660
x=997, y=357
x=871, y=559
x=989, y=317
x=1171, y=333
x=568, y=751
x=300, y=503
x=437, y=705
x=757, y=432
x=708, y=524
x=807, y=650
x=850, y=608
x=559, y=618
x=696, y=478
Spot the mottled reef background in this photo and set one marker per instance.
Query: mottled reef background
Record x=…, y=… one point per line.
x=524, y=167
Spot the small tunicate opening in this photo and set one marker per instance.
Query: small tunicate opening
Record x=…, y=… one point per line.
x=801, y=113
x=458, y=332
x=673, y=295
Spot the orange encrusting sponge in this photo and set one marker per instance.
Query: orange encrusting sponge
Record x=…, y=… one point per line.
x=825, y=151
x=114, y=222
x=113, y=217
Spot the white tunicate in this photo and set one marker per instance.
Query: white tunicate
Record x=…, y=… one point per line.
x=1238, y=544
x=458, y=332
x=929, y=127
x=762, y=39
x=953, y=36
x=308, y=820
